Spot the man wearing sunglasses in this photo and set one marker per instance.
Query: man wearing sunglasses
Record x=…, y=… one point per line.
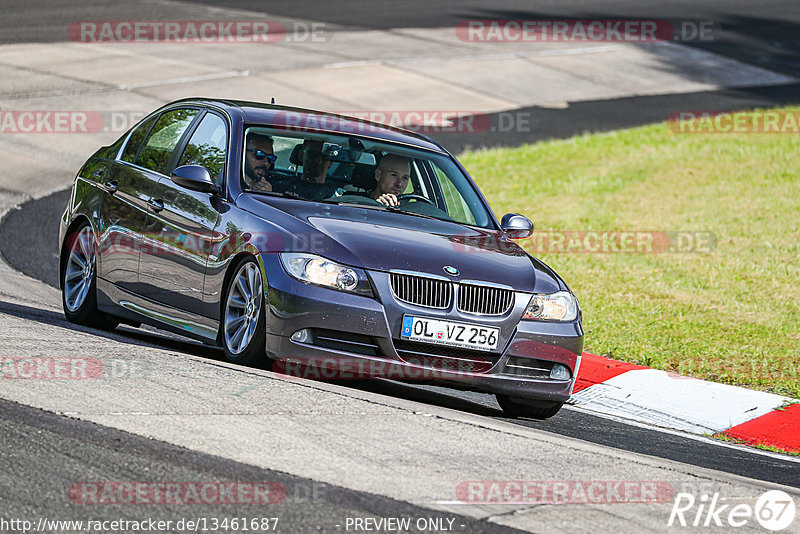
x=259, y=160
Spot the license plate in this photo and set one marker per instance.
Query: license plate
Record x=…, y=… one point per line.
x=454, y=334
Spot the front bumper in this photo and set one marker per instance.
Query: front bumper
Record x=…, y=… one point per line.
x=353, y=337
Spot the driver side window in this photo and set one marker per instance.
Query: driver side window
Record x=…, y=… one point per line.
x=163, y=139
x=207, y=146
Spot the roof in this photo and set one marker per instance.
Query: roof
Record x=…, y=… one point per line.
x=308, y=120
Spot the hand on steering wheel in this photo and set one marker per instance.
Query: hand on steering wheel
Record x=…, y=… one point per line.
x=388, y=199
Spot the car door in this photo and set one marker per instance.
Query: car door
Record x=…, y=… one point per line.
x=123, y=212
x=129, y=184
x=181, y=224
x=130, y=187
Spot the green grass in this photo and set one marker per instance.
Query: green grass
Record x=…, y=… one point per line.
x=770, y=448
x=730, y=315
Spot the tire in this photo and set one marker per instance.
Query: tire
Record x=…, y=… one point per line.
x=79, y=281
x=243, y=321
x=534, y=410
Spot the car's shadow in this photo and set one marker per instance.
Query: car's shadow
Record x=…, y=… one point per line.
x=141, y=337
x=415, y=392
x=123, y=333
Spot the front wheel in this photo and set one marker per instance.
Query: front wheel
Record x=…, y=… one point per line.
x=79, y=284
x=535, y=410
x=244, y=317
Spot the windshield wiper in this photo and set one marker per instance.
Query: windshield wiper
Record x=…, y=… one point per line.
x=395, y=209
x=353, y=204
x=383, y=207
x=285, y=194
x=391, y=209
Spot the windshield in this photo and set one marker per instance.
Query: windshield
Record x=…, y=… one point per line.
x=352, y=170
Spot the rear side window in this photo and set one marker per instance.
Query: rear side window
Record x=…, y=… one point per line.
x=135, y=142
x=207, y=146
x=163, y=139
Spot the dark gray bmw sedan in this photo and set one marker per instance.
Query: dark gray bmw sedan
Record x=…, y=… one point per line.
x=318, y=245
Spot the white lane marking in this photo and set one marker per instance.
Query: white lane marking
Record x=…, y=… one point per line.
x=187, y=79
x=671, y=401
x=474, y=57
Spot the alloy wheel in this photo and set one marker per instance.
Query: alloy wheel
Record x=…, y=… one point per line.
x=243, y=308
x=79, y=269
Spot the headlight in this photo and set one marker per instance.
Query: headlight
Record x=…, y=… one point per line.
x=559, y=306
x=323, y=272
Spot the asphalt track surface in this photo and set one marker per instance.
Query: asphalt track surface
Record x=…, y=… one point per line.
x=762, y=34
x=766, y=34
x=44, y=449
x=37, y=221
x=39, y=443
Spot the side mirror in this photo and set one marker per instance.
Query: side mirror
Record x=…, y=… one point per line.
x=516, y=226
x=194, y=177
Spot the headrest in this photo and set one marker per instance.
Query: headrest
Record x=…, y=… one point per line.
x=296, y=158
x=364, y=177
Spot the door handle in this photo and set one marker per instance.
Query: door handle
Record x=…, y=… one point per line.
x=112, y=187
x=156, y=204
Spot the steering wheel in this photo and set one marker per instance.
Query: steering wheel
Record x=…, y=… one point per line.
x=412, y=196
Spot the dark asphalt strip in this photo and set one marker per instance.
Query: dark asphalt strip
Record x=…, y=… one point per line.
x=532, y=124
x=29, y=237
x=44, y=456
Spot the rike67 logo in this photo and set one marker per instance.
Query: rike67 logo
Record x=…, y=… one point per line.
x=774, y=510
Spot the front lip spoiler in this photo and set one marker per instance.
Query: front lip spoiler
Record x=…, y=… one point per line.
x=399, y=370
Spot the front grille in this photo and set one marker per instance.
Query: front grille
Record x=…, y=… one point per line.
x=527, y=367
x=422, y=291
x=445, y=358
x=484, y=300
x=346, y=342
x=474, y=298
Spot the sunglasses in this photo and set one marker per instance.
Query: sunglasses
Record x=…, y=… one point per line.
x=260, y=154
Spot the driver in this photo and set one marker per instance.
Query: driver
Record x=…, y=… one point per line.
x=392, y=176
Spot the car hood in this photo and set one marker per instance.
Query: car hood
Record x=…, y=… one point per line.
x=385, y=241
x=477, y=255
